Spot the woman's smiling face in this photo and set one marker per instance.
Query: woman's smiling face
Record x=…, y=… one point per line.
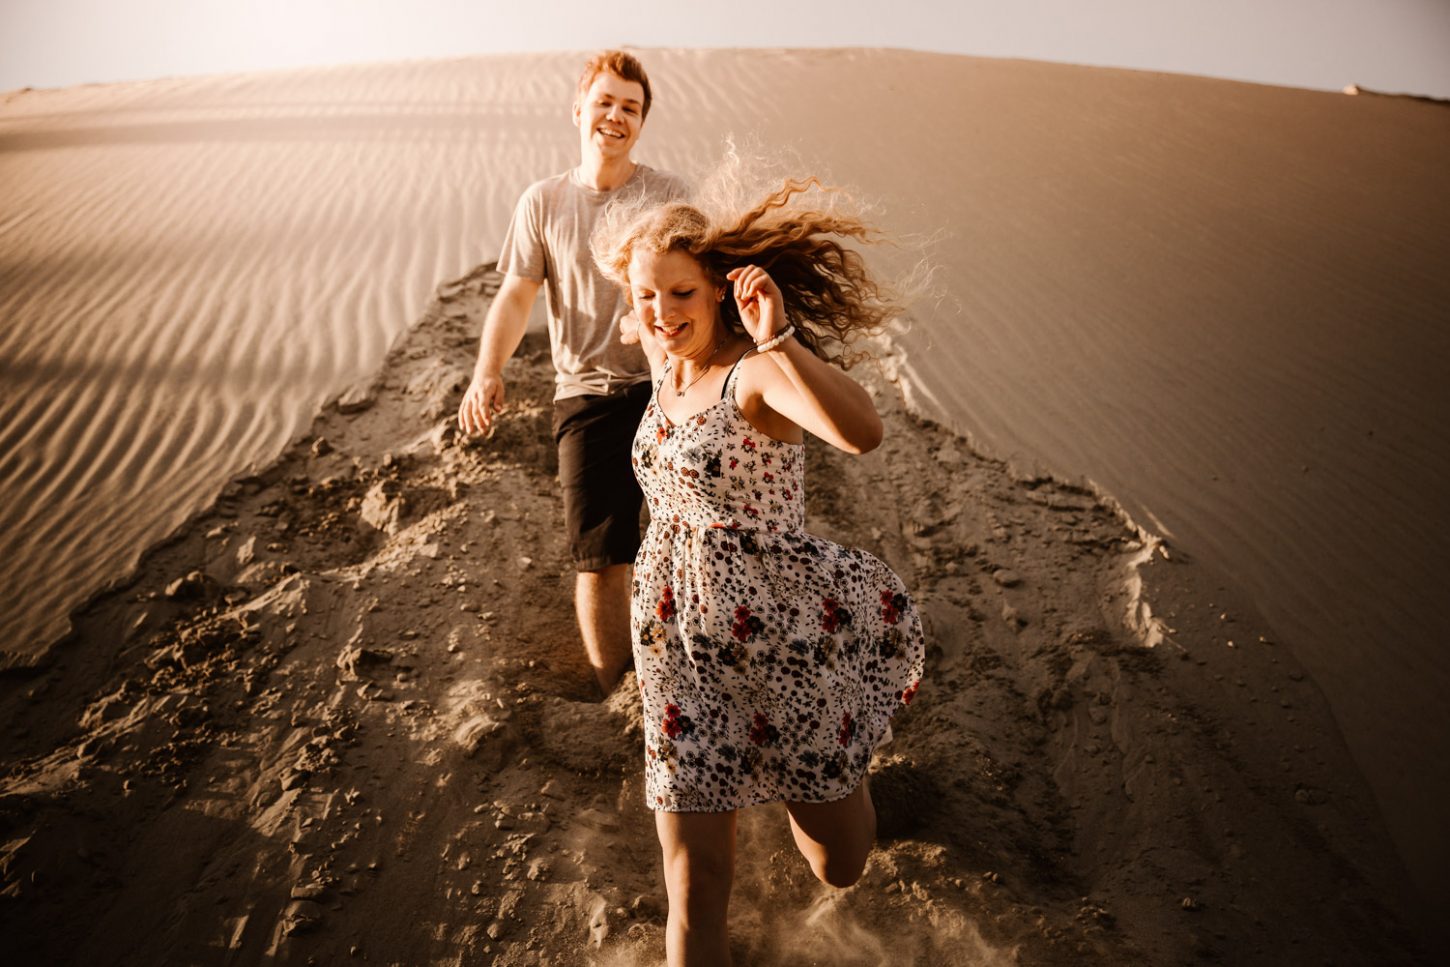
x=673, y=295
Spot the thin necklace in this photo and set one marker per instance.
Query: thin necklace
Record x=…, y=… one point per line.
x=680, y=393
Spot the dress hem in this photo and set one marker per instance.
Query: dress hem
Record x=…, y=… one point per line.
x=767, y=798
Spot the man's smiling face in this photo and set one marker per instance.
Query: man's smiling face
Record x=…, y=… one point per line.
x=609, y=116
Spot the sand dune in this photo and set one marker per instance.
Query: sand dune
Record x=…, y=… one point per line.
x=1218, y=302
x=344, y=720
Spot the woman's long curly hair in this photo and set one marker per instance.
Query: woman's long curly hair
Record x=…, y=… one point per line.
x=795, y=234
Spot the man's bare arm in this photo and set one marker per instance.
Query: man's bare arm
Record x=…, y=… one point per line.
x=503, y=330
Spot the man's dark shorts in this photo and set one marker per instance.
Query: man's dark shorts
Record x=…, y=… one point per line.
x=601, y=497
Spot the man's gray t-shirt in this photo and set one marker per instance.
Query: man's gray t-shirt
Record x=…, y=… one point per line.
x=548, y=241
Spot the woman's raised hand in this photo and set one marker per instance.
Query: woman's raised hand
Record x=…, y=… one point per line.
x=762, y=309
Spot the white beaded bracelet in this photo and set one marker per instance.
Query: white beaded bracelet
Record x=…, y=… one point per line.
x=776, y=340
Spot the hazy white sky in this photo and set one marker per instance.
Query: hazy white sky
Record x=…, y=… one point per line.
x=1400, y=45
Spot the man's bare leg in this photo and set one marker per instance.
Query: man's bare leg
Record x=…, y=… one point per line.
x=601, y=601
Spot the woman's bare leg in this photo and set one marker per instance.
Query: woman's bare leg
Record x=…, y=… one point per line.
x=699, y=855
x=835, y=837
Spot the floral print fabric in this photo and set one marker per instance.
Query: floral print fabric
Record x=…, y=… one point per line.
x=769, y=661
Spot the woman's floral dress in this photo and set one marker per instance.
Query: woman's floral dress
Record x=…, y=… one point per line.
x=769, y=661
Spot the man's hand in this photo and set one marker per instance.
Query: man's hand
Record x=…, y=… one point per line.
x=502, y=331
x=482, y=402
x=629, y=329
x=637, y=327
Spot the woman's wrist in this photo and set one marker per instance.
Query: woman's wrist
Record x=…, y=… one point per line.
x=776, y=340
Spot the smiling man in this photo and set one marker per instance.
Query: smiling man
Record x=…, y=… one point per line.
x=601, y=385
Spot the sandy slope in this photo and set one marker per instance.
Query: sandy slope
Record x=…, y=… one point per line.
x=1218, y=301
x=342, y=718
x=187, y=268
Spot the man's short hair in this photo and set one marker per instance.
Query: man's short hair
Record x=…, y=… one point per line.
x=621, y=64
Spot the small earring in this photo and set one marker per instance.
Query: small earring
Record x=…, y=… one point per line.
x=719, y=295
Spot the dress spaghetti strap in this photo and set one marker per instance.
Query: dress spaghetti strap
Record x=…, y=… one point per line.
x=730, y=376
